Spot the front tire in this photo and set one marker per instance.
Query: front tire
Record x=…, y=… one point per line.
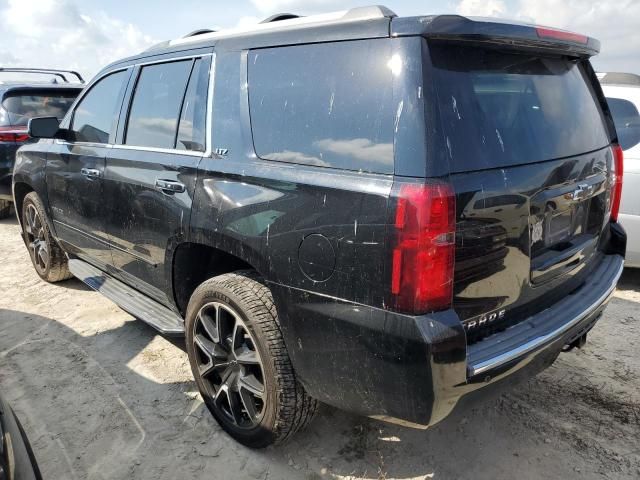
x=48, y=258
x=240, y=362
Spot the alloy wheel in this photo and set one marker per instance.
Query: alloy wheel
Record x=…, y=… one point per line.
x=36, y=238
x=229, y=364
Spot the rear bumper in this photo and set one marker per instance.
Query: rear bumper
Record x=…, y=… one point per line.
x=415, y=370
x=559, y=322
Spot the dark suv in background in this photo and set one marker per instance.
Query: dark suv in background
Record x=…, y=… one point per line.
x=384, y=214
x=23, y=99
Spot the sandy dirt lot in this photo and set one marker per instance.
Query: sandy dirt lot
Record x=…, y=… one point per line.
x=103, y=396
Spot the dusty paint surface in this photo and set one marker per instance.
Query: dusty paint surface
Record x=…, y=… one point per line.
x=103, y=396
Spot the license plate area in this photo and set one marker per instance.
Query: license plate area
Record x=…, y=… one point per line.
x=564, y=227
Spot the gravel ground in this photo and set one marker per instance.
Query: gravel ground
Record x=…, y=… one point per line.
x=103, y=396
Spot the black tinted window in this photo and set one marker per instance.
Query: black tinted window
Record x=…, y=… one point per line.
x=325, y=104
x=627, y=120
x=500, y=108
x=95, y=115
x=191, y=130
x=20, y=107
x=153, y=119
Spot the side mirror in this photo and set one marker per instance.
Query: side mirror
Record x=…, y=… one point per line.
x=43, y=127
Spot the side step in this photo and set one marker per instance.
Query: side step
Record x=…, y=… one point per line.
x=129, y=299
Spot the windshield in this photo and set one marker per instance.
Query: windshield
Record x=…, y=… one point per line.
x=500, y=108
x=20, y=107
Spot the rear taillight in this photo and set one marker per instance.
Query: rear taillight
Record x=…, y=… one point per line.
x=545, y=32
x=14, y=134
x=617, y=171
x=423, y=248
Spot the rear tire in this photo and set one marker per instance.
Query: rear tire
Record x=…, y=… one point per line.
x=47, y=257
x=240, y=362
x=5, y=209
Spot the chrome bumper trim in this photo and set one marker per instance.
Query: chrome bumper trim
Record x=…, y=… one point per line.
x=539, y=341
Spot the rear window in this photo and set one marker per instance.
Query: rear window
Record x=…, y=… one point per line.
x=499, y=109
x=20, y=107
x=327, y=104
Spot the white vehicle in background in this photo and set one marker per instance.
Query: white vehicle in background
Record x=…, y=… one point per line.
x=623, y=95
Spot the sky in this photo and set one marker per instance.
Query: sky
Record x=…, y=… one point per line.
x=88, y=34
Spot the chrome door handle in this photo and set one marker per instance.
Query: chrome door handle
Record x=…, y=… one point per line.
x=91, y=173
x=169, y=186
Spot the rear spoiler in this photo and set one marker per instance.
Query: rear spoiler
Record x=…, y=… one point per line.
x=30, y=89
x=492, y=31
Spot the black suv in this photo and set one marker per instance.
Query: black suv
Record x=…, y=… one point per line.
x=22, y=100
x=383, y=214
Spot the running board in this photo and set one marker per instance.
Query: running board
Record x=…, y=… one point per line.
x=130, y=300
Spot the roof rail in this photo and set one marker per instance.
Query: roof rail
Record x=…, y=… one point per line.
x=44, y=71
x=619, y=78
x=289, y=21
x=200, y=31
x=280, y=16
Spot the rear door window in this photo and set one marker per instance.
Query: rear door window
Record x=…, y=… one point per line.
x=500, y=108
x=95, y=116
x=191, y=129
x=157, y=100
x=326, y=104
x=627, y=120
x=21, y=106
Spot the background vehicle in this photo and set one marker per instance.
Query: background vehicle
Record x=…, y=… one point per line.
x=623, y=96
x=384, y=214
x=17, y=460
x=23, y=99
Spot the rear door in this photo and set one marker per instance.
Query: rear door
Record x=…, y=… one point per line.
x=529, y=156
x=151, y=171
x=75, y=170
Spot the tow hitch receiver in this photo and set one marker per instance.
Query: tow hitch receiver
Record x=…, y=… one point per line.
x=577, y=343
x=580, y=337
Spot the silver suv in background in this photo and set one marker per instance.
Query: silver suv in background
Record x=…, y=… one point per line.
x=623, y=95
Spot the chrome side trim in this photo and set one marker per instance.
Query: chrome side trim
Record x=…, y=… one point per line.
x=543, y=339
x=209, y=120
x=171, y=59
x=173, y=151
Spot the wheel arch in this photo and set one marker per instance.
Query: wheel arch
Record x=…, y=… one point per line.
x=195, y=262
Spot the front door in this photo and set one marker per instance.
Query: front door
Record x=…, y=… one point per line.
x=151, y=171
x=76, y=166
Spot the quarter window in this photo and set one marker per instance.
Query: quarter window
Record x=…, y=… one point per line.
x=94, y=117
x=155, y=110
x=329, y=105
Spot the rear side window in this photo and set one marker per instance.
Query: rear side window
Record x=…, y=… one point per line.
x=155, y=110
x=326, y=104
x=21, y=106
x=95, y=115
x=499, y=108
x=627, y=120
